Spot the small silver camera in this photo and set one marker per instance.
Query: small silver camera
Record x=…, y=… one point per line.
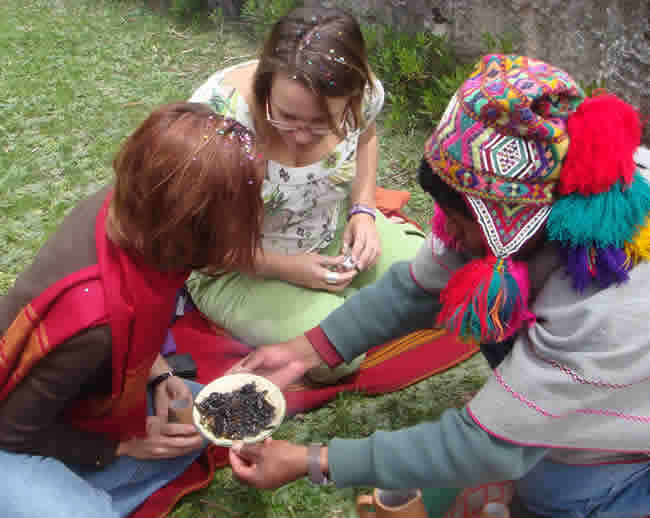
x=349, y=263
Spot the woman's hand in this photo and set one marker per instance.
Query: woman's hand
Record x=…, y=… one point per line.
x=268, y=465
x=311, y=270
x=361, y=240
x=170, y=389
x=283, y=363
x=163, y=441
x=319, y=272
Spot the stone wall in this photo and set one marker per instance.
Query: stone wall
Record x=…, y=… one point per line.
x=591, y=39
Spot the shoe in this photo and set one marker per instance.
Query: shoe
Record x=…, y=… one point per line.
x=325, y=375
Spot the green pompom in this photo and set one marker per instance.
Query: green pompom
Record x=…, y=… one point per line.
x=601, y=220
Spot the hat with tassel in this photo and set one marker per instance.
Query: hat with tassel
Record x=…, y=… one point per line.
x=526, y=149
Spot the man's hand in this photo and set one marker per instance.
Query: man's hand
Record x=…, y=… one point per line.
x=283, y=363
x=268, y=465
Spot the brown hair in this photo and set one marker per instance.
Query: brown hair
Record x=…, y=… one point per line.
x=187, y=191
x=322, y=48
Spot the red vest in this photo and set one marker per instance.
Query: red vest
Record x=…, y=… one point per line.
x=133, y=298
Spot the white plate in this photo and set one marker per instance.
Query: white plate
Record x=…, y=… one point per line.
x=231, y=383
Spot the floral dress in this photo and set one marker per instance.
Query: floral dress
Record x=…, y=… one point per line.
x=302, y=204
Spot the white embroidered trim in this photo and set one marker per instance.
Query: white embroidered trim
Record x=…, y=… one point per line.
x=492, y=235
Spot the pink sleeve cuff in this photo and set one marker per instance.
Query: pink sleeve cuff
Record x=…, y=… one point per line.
x=321, y=343
x=416, y=281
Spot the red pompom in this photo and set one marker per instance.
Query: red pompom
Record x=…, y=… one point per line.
x=604, y=133
x=487, y=300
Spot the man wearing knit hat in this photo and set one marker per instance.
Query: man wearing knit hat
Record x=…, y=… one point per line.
x=539, y=252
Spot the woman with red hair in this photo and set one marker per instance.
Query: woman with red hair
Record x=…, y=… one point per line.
x=84, y=391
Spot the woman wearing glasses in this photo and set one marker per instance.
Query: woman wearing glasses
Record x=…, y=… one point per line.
x=312, y=100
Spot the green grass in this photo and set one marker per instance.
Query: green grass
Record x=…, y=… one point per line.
x=76, y=77
x=399, y=158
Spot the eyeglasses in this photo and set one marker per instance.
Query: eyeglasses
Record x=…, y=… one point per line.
x=319, y=131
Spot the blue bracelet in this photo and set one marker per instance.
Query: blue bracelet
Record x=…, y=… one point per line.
x=358, y=208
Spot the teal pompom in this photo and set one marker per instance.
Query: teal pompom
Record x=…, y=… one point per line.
x=601, y=220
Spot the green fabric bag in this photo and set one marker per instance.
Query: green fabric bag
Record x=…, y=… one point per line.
x=438, y=501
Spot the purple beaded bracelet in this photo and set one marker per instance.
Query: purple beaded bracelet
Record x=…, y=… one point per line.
x=358, y=208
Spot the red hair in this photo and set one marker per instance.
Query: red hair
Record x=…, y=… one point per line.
x=187, y=191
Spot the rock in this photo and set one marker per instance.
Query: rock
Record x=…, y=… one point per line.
x=593, y=41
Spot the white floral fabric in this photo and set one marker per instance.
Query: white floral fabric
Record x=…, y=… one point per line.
x=302, y=204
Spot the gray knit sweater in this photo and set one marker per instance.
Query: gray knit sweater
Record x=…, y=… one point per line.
x=452, y=451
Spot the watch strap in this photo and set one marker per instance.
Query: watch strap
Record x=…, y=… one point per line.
x=316, y=475
x=160, y=378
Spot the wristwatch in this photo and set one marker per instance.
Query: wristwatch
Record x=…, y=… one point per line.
x=316, y=475
x=160, y=378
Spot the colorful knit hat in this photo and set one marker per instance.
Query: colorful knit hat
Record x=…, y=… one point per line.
x=525, y=148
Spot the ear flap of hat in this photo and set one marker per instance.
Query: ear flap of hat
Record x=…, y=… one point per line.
x=507, y=227
x=604, y=133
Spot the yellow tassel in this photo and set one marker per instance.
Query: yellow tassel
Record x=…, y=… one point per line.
x=639, y=248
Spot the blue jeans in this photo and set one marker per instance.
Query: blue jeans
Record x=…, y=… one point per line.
x=604, y=491
x=34, y=486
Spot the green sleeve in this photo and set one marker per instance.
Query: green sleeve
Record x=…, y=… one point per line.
x=450, y=452
x=391, y=307
x=405, y=298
